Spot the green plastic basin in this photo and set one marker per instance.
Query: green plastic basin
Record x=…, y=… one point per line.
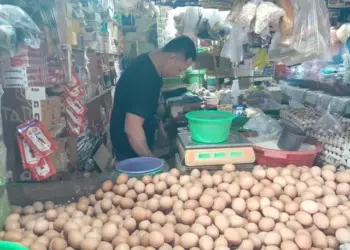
x=195, y=76
x=210, y=126
x=211, y=81
x=6, y=245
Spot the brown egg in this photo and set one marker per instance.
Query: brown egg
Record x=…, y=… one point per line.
x=75, y=238
x=206, y=201
x=58, y=244
x=166, y=203
x=41, y=226
x=156, y=239
x=37, y=246
x=233, y=236
x=122, y=179
x=238, y=205
x=105, y=246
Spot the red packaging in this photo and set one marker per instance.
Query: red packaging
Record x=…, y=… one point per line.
x=36, y=135
x=75, y=119
x=75, y=92
x=43, y=170
x=75, y=81
x=29, y=159
x=76, y=105
x=74, y=129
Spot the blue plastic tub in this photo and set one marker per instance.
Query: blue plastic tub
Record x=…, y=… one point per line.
x=140, y=166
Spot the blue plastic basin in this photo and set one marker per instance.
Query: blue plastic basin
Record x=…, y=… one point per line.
x=139, y=165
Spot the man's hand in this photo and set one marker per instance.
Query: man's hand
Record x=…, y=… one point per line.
x=136, y=135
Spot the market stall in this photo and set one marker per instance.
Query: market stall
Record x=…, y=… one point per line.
x=258, y=150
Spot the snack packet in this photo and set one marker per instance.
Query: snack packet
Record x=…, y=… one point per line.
x=43, y=170
x=29, y=159
x=38, y=138
x=76, y=106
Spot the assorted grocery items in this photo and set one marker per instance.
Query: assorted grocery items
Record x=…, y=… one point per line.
x=269, y=208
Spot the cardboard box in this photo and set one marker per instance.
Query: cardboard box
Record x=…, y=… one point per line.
x=60, y=157
x=47, y=111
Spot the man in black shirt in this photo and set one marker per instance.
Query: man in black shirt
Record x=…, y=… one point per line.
x=133, y=122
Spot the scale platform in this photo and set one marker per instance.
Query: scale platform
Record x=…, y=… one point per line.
x=236, y=150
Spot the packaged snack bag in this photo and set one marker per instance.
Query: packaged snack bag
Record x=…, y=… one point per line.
x=36, y=135
x=43, y=170
x=29, y=159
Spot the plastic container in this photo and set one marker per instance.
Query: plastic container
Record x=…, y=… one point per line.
x=172, y=81
x=140, y=166
x=196, y=76
x=211, y=83
x=210, y=126
x=278, y=158
x=6, y=245
x=291, y=139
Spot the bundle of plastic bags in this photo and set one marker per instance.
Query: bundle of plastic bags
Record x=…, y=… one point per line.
x=304, y=33
x=16, y=29
x=206, y=23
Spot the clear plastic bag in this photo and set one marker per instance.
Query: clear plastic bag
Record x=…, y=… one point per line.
x=328, y=123
x=27, y=31
x=266, y=127
x=267, y=14
x=8, y=38
x=233, y=47
x=246, y=14
x=310, y=38
x=191, y=20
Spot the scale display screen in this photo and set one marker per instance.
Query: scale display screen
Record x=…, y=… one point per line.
x=218, y=155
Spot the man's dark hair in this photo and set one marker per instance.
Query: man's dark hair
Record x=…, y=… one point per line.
x=182, y=45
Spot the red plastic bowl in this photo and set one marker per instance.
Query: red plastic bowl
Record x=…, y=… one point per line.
x=279, y=158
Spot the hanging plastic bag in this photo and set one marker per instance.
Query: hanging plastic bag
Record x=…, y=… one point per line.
x=191, y=20
x=8, y=38
x=233, y=47
x=311, y=32
x=246, y=14
x=310, y=38
x=267, y=14
x=26, y=30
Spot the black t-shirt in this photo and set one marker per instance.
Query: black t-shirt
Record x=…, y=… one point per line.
x=137, y=92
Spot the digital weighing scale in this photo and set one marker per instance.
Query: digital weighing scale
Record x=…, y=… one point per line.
x=236, y=150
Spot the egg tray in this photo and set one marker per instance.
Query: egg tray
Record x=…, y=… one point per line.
x=212, y=169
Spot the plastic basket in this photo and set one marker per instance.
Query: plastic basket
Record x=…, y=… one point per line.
x=210, y=126
x=140, y=166
x=6, y=245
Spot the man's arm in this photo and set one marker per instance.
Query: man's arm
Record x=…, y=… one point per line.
x=136, y=135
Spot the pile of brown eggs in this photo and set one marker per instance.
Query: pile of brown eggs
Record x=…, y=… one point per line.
x=287, y=208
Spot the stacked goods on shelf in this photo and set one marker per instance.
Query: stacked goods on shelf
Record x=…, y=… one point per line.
x=271, y=208
x=335, y=138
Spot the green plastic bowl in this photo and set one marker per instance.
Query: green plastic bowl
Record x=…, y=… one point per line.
x=6, y=245
x=211, y=81
x=210, y=126
x=196, y=76
x=173, y=80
